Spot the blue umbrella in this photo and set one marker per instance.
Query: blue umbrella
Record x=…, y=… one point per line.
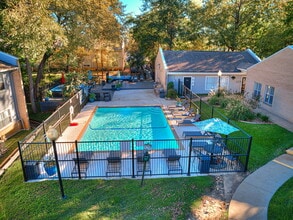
x=215, y=125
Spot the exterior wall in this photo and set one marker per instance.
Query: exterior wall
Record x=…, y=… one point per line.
x=275, y=71
x=161, y=71
x=20, y=99
x=198, y=82
x=12, y=99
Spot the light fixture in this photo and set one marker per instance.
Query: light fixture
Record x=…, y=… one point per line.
x=52, y=134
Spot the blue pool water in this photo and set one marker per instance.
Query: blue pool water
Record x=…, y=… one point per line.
x=138, y=123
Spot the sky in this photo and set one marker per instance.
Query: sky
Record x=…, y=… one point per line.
x=132, y=6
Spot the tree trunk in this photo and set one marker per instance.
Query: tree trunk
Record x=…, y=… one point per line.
x=67, y=64
x=31, y=85
x=40, y=73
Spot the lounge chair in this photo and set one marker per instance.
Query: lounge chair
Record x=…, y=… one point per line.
x=125, y=146
x=189, y=121
x=193, y=133
x=183, y=113
x=173, y=161
x=114, y=163
x=80, y=167
x=140, y=164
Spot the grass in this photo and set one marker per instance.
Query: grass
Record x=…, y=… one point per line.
x=11, y=143
x=100, y=199
x=40, y=116
x=281, y=205
x=268, y=142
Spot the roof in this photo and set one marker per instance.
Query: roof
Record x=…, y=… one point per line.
x=7, y=62
x=9, y=59
x=209, y=61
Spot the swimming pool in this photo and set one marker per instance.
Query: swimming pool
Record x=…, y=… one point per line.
x=138, y=123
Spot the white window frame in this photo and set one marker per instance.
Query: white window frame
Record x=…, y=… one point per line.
x=2, y=84
x=212, y=82
x=5, y=118
x=256, y=90
x=269, y=95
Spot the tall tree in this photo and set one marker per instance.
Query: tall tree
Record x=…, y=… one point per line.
x=238, y=24
x=163, y=23
x=31, y=31
x=37, y=29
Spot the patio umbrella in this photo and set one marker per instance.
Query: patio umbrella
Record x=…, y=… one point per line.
x=215, y=125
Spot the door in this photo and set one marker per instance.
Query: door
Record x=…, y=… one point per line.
x=187, y=84
x=243, y=85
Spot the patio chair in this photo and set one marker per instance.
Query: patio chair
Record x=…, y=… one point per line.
x=86, y=154
x=189, y=121
x=125, y=146
x=114, y=163
x=173, y=161
x=140, y=165
x=80, y=167
x=139, y=145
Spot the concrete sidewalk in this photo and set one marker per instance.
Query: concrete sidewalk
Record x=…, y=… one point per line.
x=252, y=197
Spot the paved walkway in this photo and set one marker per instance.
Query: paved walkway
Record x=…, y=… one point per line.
x=252, y=197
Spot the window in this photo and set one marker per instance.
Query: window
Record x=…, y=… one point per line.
x=5, y=118
x=256, y=90
x=269, y=95
x=2, y=87
x=212, y=82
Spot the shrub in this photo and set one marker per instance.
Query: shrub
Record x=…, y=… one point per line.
x=240, y=112
x=264, y=118
x=214, y=100
x=172, y=93
x=170, y=85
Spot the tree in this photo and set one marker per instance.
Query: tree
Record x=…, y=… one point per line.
x=30, y=32
x=164, y=23
x=240, y=24
x=36, y=30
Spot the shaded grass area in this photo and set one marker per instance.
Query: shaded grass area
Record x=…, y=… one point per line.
x=281, y=205
x=172, y=198
x=39, y=116
x=11, y=143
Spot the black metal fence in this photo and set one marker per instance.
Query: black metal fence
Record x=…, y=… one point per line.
x=105, y=159
x=60, y=119
x=197, y=155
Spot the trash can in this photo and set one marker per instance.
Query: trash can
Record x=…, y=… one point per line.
x=162, y=93
x=32, y=170
x=204, y=164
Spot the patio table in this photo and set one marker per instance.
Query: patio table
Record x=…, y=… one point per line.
x=213, y=149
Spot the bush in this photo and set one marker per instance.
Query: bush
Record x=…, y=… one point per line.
x=240, y=111
x=170, y=85
x=221, y=101
x=264, y=118
x=172, y=93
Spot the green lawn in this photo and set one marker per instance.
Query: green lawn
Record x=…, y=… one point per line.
x=268, y=142
x=281, y=205
x=172, y=198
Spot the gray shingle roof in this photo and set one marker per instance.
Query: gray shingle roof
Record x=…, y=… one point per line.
x=208, y=61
